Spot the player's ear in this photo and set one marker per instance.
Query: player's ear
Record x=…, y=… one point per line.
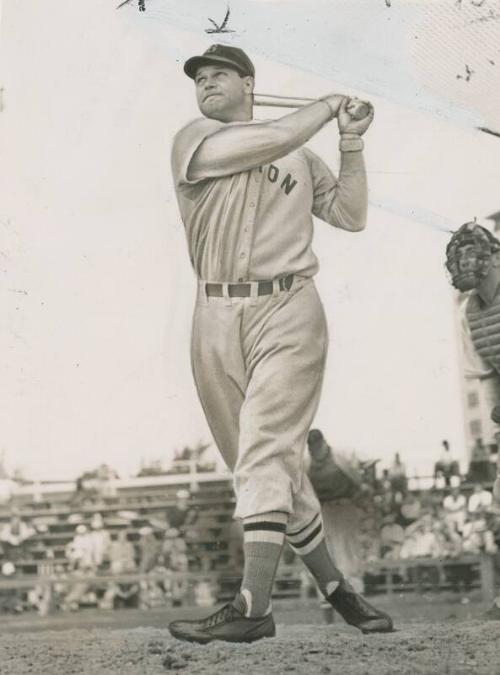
x=495, y=259
x=248, y=84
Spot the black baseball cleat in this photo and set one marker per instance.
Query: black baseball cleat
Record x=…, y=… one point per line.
x=356, y=611
x=227, y=624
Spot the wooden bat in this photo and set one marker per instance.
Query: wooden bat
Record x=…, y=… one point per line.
x=357, y=109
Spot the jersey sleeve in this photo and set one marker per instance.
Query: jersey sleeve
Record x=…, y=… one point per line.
x=185, y=144
x=339, y=201
x=324, y=185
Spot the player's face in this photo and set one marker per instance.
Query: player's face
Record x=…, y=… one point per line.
x=466, y=268
x=222, y=94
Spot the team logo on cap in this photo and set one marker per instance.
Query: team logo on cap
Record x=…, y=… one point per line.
x=211, y=49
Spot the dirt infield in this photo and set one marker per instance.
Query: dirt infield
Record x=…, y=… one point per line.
x=461, y=647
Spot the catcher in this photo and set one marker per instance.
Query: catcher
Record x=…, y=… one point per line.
x=473, y=261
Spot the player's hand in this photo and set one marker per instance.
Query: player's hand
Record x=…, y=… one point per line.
x=348, y=125
x=334, y=101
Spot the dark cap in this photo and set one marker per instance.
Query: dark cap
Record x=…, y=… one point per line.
x=314, y=436
x=232, y=57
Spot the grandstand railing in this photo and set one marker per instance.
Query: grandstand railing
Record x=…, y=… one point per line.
x=413, y=574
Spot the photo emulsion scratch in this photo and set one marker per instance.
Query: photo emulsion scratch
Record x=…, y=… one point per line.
x=250, y=347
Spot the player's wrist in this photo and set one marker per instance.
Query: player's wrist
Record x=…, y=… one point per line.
x=333, y=101
x=350, y=143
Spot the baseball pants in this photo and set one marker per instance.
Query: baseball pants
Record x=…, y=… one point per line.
x=258, y=365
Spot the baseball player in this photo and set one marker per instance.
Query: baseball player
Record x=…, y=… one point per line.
x=473, y=261
x=339, y=486
x=247, y=191
x=343, y=491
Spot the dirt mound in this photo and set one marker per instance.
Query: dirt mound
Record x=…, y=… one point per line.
x=469, y=647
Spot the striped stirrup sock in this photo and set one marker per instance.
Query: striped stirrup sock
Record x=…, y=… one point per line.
x=309, y=543
x=263, y=538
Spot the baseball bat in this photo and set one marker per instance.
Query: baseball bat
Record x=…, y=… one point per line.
x=357, y=109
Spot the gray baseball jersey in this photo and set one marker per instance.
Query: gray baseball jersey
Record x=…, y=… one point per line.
x=256, y=224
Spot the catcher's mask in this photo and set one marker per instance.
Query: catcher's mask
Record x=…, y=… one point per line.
x=468, y=255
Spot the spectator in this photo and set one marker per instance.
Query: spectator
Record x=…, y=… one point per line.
x=174, y=552
x=120, y=594
x=79, y=550
x=480, y=464
x=121, y=554
x=82, y=494
x=205, y=593
x=449, y=539
x=391, y=538
x=480, y=499
x=105, y=482
x=385, y=482
x=397, y=475
x=148, y=549
x=410, y=509
x=446, y=467
x=181, y=516
x=384, y=497
x=477, y=536
x=421, y=540
x=100, y=540
x=79, y=553
x=13, y=535
x=455, y=508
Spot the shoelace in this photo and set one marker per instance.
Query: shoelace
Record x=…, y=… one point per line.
x=224, y=613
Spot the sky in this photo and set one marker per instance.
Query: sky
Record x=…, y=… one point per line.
x=97, y=292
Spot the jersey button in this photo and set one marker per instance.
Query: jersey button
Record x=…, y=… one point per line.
x=252, y=204
x=243, y=254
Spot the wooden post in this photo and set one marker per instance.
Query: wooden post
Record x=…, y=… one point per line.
x=487, y=570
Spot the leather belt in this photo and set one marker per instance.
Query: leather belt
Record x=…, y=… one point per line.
x=244, y=290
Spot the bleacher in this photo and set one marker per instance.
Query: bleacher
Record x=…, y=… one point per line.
x=56, y=509
x=142, y=499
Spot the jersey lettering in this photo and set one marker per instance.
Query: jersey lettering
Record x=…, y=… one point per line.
x=288, y=184
x=273, y=172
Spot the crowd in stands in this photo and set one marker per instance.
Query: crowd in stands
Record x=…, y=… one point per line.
x=112, y=563
x=454, y=518
x=114, y=560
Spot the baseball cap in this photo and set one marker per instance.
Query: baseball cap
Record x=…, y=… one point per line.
x=223, y=55
x=314, y=436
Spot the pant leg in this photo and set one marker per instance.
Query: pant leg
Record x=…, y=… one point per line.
x=219, y=370
x=258, y=366
x=284, y=345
